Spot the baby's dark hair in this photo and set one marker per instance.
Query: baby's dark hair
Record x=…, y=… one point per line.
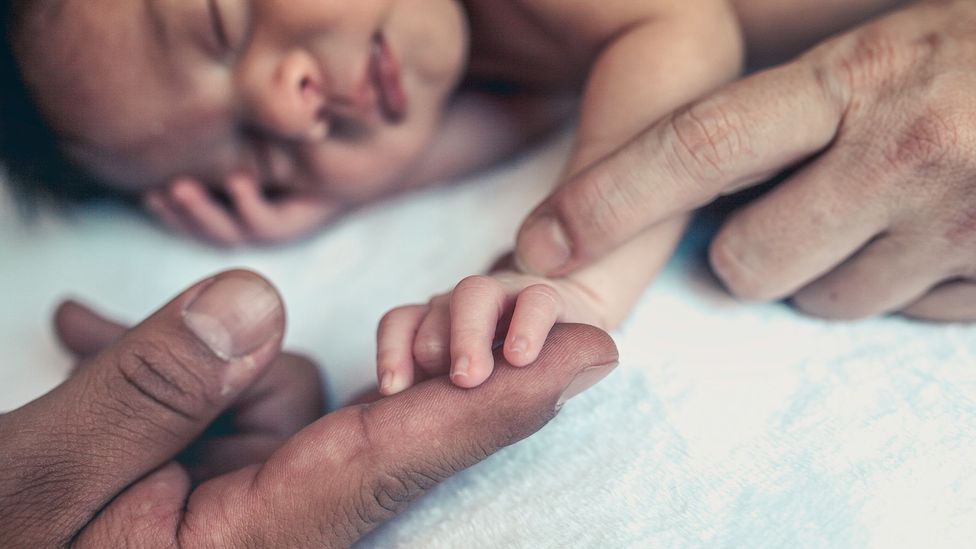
x=36, y=167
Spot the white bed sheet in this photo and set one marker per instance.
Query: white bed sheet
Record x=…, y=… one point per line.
x=727, y=425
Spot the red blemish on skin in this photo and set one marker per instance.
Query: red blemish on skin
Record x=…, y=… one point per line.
x=962, y=230
x=925, y=144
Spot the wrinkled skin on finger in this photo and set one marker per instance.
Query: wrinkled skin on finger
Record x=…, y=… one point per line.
x=325, y=486
x=286, y=398
x=885, y=214
x=877, y=133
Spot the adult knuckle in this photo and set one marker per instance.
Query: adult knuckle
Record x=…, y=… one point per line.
x=728, y=264
x=163, y=376
x=543, y=292
x=870, y=58
x=387, y=493
x=928, y=142
x=478, y=286
x=386, y=484
x=706, y=137
x=832, y=87
x=598, y=203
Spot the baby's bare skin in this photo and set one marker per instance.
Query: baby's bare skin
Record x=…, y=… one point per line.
x=282, y=105
x=637, y=62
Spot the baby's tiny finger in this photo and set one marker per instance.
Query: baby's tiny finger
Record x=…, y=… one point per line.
x=476, y=307
x=155, y=202
x=208, y=217
x=537, y=310
x=430, y=348
x=394, y=348
x=257, y=215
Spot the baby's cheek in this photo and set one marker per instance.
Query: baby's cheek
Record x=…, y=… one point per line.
x=362, y=172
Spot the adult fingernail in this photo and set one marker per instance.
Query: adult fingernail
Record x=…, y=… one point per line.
x=585, y=379
x=544, y=247
x=235, y=316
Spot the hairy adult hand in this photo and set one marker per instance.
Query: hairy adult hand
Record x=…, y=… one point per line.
x=880, y=214
x=99, y=461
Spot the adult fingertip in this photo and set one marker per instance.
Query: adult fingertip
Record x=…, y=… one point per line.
x=65, y=313
x=83, y=332
x=236, y=314
x=544, y=247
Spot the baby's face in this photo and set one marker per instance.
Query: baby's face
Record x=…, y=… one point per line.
x=339, y=96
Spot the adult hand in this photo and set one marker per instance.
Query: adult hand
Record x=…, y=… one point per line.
x=282, y=400
x=879, y=217
x=92, y=463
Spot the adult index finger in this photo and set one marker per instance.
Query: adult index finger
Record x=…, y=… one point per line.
x=738, y=137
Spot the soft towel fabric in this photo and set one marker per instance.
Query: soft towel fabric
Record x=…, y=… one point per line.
x=727, y=425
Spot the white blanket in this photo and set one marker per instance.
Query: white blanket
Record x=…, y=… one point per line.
x=727, y=425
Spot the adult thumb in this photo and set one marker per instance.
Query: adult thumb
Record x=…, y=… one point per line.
x=136, y=404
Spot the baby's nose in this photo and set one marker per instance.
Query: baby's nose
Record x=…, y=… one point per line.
x=291, y=104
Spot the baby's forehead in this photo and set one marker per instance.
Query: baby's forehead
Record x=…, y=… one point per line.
x=110, y=91
x=86, y=64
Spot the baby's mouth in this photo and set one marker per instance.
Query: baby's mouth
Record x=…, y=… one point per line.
x=384, y=71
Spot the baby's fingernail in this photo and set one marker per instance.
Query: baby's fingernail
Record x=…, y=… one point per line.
x=519, y=345
x=392, y=384
x=543, y=247
x=586, y=378
x=386, y=383
x=462, y=367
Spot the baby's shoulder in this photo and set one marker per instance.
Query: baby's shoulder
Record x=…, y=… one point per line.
x=593, y=22
x=548, y=40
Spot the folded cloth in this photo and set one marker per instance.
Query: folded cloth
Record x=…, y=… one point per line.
x=727, y=425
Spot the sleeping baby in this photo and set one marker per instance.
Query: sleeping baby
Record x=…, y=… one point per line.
x=261, y=120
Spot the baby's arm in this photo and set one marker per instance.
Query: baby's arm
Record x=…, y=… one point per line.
x=646, y=72
x=459, y=331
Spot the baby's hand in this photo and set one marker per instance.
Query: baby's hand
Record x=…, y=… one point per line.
x=247, y=216
x=459, y=331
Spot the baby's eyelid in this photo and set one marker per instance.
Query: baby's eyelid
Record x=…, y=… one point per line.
x=231, y=22
x=218, y=25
